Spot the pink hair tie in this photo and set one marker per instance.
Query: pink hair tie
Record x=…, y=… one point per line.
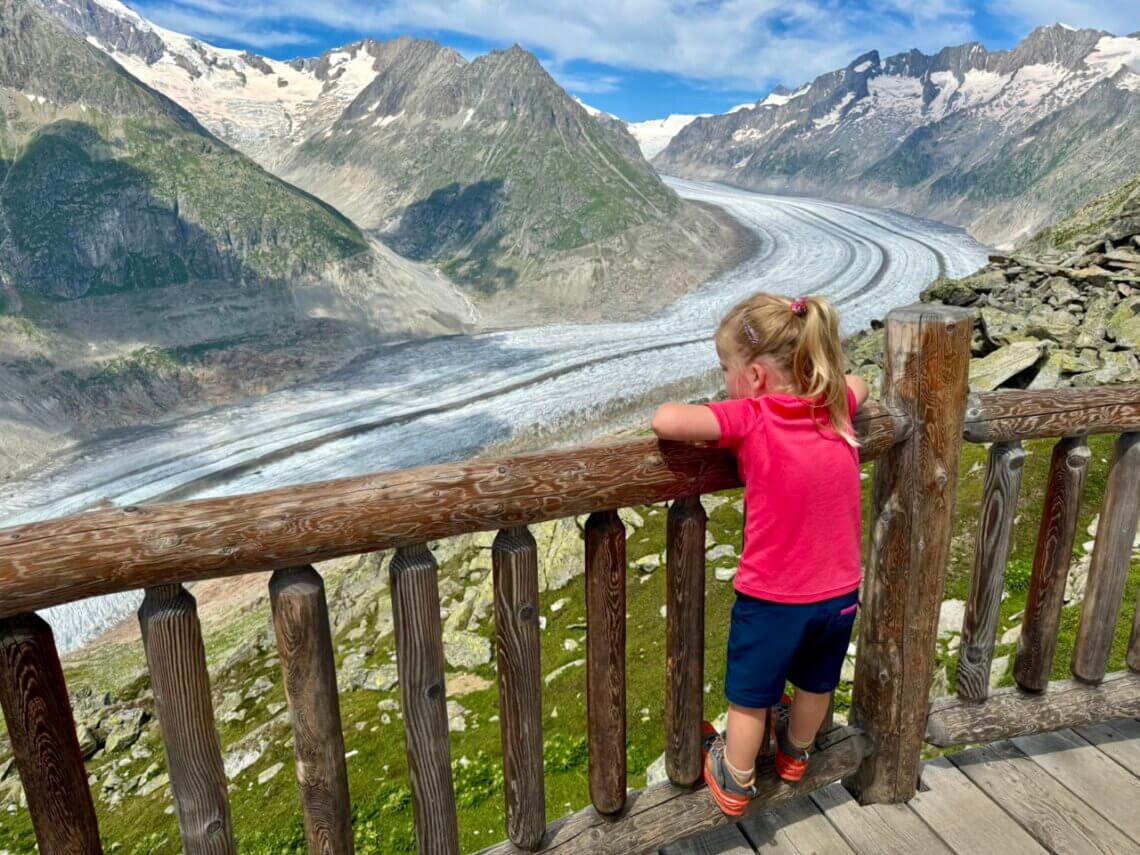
x=798, y=306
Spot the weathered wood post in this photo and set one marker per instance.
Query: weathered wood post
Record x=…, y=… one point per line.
x=913, y=492
x=991, y=553
x=514, y=565
x=412, y=575
x=308, y=669
x=176, y=660
x=684, y=638
x=42, y=731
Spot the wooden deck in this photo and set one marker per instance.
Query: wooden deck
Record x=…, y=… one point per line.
x=1070, y=791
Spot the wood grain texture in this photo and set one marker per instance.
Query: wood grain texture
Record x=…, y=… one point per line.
x=605, y=659
x=725, y=840
x=305, y=648
x=1099, y=781
x=964, y=816
x=1042, y=620
x=1108, y=569
x=1040, y=804
x=514, y=562
x=1004, y=464
x=891, y=829
x=1119, y=740
x=1013, y=712
x=663, y=813
x=41, y=729
x=912, y=495
x=419, y=660
x=1013, y=414
x=176, y=660
x=795, y=828
x=47, y=563
x=684, y=638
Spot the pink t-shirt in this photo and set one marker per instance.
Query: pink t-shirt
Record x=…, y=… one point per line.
x=802, y=499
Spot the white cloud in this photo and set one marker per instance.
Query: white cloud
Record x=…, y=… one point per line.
x=740, y=44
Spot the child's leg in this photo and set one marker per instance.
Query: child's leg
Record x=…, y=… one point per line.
x=808, y=712
x=743, y=735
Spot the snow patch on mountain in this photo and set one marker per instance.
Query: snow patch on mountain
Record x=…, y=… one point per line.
x=655, y=134
x=832, y=118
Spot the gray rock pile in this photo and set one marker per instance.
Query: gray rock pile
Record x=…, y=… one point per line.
x=1046, y=317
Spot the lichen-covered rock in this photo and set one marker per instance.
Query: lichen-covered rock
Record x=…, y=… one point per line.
x=991, y=371
x=466, y=649
x=1124, y=324
x=952, y=292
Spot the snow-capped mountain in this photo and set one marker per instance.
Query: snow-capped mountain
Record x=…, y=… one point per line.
x=653, y=135
x=486, y=168
x=1000, y=142
x=261, y=106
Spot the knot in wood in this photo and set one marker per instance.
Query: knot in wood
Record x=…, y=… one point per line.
x=214, y=827
x=654, y=458
x=433, y=691
x=526, y=612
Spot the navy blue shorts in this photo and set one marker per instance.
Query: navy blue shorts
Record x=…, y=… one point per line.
x=769, y=643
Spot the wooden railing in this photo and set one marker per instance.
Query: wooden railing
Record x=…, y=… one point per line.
x=916, y=435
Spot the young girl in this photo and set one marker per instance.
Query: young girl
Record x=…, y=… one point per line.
x=789, y=423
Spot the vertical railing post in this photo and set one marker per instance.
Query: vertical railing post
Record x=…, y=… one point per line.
x=913, y=493
x=684, y=638
x=176, y=660
x=42, y=732
x=304, y=642
x=605, y=659
x=419, y=664
x=1039, y=627
x=1108, y=567
x=514, y=562
x=991, y=553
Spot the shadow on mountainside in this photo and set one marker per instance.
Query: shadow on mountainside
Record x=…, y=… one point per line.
x=457, y=227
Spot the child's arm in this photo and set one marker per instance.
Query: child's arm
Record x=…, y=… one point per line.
x=686, y=422
x=859, y=387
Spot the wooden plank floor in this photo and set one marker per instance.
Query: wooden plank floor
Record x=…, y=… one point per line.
x=1070, y=791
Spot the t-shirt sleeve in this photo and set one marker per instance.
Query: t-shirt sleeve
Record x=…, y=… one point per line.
x=736, y=419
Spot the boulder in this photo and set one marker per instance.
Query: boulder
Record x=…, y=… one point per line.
x=951, y=292
x=1124, y=324
x=1117, y=366
x=950, y=616
x=1006, y=362
x=269, y=774
x=723, y=550
x=466, y=649
x=456, y=717
x=1059, y=290
x=1095, y=322
x=999, y=326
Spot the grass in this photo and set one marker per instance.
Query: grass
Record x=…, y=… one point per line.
x=266, y=815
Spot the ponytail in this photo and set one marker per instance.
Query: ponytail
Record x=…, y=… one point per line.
x=802, y=335
x=817, y=364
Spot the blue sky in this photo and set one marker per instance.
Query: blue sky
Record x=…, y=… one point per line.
x=642, y=59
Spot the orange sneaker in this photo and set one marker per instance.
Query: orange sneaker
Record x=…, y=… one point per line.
x=730, y=796
x=791, y=762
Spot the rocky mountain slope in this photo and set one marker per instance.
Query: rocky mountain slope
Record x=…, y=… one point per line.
x=110, y=189
x=998, y=142
x=1061, y=310
x=486, y=169
x=128, y=230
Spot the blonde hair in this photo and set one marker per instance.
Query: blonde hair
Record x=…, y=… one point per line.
x=801, y=337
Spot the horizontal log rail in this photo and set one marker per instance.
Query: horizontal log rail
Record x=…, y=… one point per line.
x=1017, y=414
x=103, y=552
x=1015, y=712
x=662, y=813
